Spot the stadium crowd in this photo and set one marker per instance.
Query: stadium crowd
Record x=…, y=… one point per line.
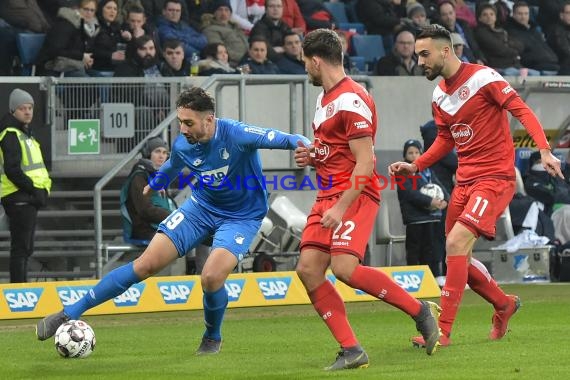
x=93, y=37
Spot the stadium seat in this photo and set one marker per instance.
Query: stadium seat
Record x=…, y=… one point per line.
x=521, y=159
x=338, y=10
x=358, y=62
x=389, y=225
x=29, y=45
x=368, y=46
x=354, y=27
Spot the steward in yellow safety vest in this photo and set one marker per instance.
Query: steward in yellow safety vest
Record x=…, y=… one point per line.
x=24, y=180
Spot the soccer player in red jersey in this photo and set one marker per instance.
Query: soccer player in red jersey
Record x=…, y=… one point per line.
x=470, y=107
x=342, y=218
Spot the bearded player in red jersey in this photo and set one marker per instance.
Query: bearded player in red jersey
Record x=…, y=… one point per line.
x=469, y=107
x=342, y=218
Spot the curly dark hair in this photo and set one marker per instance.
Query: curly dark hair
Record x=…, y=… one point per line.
x=196, y=99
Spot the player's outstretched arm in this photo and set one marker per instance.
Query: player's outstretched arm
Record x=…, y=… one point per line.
x=267, y=138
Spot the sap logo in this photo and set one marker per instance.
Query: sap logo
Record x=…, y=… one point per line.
x=130, y=297
x=274, y=288
x=24, y=299
x=409, y=280
x=331, y=278
x=175, y=291
x=71, y=294
x=234, y=289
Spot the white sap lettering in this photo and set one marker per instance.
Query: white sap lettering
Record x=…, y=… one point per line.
x=408, y=281
x=69, y=297
x=233, y=290
x=21, y=299
x=174, y=292
x=271, y=288
x=130, y=295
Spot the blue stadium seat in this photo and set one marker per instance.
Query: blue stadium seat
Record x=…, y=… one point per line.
x=338, y=10
x=29, y=45
x=368, y=46
x=359, y=63
x=355, y=27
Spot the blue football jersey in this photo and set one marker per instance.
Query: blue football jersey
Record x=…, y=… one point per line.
x=226, y=174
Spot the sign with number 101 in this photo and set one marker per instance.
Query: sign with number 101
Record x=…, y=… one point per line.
x=118, y=120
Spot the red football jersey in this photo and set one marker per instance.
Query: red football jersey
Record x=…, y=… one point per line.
x=344, y=113
x=470, y=112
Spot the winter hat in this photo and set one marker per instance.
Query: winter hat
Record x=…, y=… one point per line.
x=220, y=3
x=411, y=143
x=413, y=8
x=19, y=97
x=456, y=39
x=535, y=156
x=152, y=144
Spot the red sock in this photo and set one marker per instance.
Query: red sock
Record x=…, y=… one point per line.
x=452, y=291
x=379, y=285
x=330, y=306
x=483, y=284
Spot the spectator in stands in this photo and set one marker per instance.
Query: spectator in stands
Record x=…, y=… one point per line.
x=465, y=13
x=381, y=17
x=537, y=54
x=153, y=10
x=416, y=17
x=110, y=43
x=24, y=182
x=501, y=51
x=272, y=28
x=141, y=59
x=170, y=26
x=25, y=15
x=91, y=27
x=458, y=46
x=549, y=14
x=291, y=62
x=293, y=17
x=448, y=19
x=216, y=61
x=401, y=61
x=146, y=212
x=219, y=28
x=559, y=38
x=566, y=170
x=255, y=9
x=420, y=212
x=347, y=63
x=136, y=24
x=256, y=60
x=316, y=15
x=174, y=64
x=63, y=52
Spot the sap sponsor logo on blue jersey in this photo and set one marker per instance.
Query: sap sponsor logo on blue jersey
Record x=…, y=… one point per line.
x=274, y=288
x=71, y=294
x=131, y=296
x=174, y=292
x=234, y=289
x=411, y=281
x=24, y=299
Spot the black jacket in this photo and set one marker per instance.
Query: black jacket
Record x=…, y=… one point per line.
x=414, y=205
x=537, y=54
x=105, y=45
x=380, y=16
x=500, y=50
x=12, y=154
x=274, y=34
x=392, y=65
x=559, y=41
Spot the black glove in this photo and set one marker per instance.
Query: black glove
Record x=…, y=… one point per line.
x=40, y=197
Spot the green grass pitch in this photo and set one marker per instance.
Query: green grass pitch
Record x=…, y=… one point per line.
x=290, y=342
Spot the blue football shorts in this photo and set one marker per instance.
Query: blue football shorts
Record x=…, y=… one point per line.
x=190, y=224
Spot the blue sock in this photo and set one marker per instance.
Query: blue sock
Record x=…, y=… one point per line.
x=215, y=304
x=111, y=285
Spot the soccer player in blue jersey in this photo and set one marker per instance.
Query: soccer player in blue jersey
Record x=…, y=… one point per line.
x=221, y=153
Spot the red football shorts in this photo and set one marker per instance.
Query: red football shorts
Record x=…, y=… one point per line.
x=350, y=237
x=477, y=206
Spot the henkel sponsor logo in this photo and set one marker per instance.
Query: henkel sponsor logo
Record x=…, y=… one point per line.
x=24, y=299
x=131, y=296
x=409, y=280
x=175, y=292
x=462, y=133
x=274, y=288
x=68, y=295
x=322, y=150
x=234, y=289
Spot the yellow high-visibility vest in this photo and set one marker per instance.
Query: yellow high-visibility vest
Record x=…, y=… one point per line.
x=32, y=164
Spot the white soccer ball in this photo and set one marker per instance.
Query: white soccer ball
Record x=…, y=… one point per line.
x=432, y=190
x=75, y=339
